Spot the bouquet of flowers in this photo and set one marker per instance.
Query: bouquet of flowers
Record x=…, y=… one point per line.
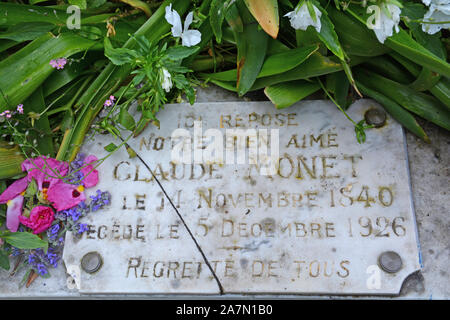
x=48, y=201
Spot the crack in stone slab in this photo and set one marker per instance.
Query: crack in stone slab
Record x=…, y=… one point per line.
x=219, y=284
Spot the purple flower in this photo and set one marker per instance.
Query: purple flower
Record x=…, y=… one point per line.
x=20, y=108
x=42, y=270
x=52, y=258
x=108, y=103
x=16, y=252
x=32, y=259
x=53, y=232
x=100, y=200
x=6, y=114
x=82, y=227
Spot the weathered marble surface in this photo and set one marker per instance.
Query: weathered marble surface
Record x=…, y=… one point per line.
x=429, y=172
x=291, y=232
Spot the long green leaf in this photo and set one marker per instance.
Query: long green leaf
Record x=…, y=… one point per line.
x=396, y=111
x=4, y=260
x=419, y=103
x=10, y=160
x=315, y=65
x=12, y=14
x=282, y=62
x=24, y=71
x=23, y=240
x=275, y=64
x=252, y=47
x=286, y=94
x=405, y=45
x=355, y=39
x=35, y=103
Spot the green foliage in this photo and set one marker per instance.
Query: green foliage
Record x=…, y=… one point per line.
x=23, y=240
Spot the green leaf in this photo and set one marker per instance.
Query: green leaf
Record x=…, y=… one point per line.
x=26, y=31
x=282, y=62
x=355, y=39
x=29, y=67
x=286, y=94
x=396, y=111
x=340, y=87
x=315, y=65
x=416, y=11
x=80, y=3
x=126, y=120
x=426, y=80
x=95, y=3
x=110, y=147
x=385, y=66
x=442, y=91
x=233, y=18
x=36, y=1
x=23, y=240
x=328, y=36
x=4, y=260
x=36, y=103
x=32, y=189
x=252, y=47
x=10, y=160
x=181, y=52
x=68, y=120
x=406, y=46
x=119, y=56
x=217, y=14
x=419, y=103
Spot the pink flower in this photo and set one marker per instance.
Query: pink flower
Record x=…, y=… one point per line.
x=61, y=63
x=13, y=197
x=108, y=103
x=20, y=108
x=89, y=173
x=41, y=218
x=58, y=63
x=6, y=114
x=65, y=196
x=112, y=98
x=41, y=169
x=14, y=212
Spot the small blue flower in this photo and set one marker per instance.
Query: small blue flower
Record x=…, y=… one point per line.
x=42, y=270
x=82, y=227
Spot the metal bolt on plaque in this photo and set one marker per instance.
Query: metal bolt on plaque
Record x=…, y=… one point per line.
x=91, y=262
x=375, y=117
x=390, y=261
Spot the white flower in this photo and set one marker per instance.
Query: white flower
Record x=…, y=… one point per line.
x=301, y=19
x=385, y=25
x=167, y=80
x=439, y=11
x=189, y=37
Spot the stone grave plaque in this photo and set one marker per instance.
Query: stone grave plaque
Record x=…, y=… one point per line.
x=333, y=217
